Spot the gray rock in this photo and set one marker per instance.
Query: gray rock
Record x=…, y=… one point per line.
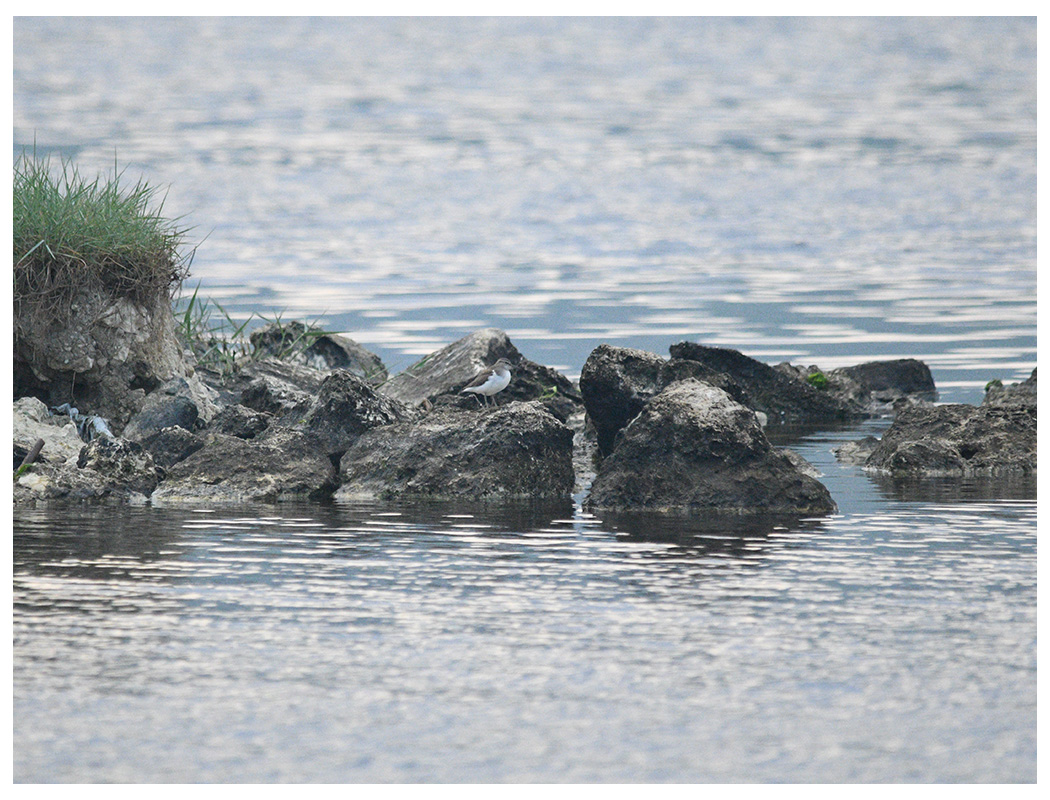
x=170, y=405
x=122, y=465
x=345, y=407
x=438, y=378
x=311, y=347
x=617, y=382
x=107, y=471
x=515, y=451
x=1017, y=395
x=288, y=466
x=856, y=453
x=694, y=448
x=958, y=440
x=31, y=421
x=241, y=421
x=171, y=445
x=784, y=398
x=283, y=390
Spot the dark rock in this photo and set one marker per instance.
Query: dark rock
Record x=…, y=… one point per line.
x=275, y=390
x=890, y=380
x=122, y=465
x=1017, y=395
x=691, y=448
x=171, y=445
x=311, y=347
x=288, y=466
x=617, y=382
x=170, y=405
x=345, y=407
x=782, y=397
x=515, y=451
x=958, y=440
x=439, y=378
x=241, y=421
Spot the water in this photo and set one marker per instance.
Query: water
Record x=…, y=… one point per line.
x=820, y=191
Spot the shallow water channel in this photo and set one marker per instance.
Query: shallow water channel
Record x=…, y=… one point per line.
x=820, y=191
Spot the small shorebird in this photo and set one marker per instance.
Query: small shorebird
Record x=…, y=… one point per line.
x=490, y=381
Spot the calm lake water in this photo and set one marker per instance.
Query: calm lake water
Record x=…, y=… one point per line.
x=820, y=191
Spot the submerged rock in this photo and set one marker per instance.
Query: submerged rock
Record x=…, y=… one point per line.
x=617, y=382
x=288, y=466
x=438, y=378
x=518, y=450
x=693, y=447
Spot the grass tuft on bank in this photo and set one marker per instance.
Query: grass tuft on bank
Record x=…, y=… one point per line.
x=72, y=233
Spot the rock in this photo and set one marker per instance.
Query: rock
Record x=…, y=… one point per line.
x=169, y=405
x=31, y=421
x=272, y=393
x=311, y=347
x=617, y=382
x=438, y=378
x=1017, y=395
x=784, y=398
x=241, y=421
x=692, y=448
x=171, y=445
x=123, y=465
x=345, y=407
x=856, y=453
x=958, y=440
x=514, y=451
x=887, y=381
x=288, y=466
x=108, y=470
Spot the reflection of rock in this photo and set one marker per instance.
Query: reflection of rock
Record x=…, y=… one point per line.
x=517, y=450
x=438, y=378
x=958, y=440
x=288, y=466
x=692, y=447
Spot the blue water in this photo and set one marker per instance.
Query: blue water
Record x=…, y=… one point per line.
x=824, y=191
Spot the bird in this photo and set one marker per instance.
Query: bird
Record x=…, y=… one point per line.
x=490, y=381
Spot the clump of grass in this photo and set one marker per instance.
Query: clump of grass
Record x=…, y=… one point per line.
x=817, y=379
x=73, y=234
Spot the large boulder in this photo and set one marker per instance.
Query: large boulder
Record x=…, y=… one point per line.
x=694, y=448
x=958, y=440
x=617, y=382
x=516, y=451
x=439, y=378
x=780, y=394
x=287, y=466
x=297, y=343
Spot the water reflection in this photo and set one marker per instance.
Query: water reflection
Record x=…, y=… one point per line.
x=944, y=489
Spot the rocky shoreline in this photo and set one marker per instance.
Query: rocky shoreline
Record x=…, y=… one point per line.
x=684, y=434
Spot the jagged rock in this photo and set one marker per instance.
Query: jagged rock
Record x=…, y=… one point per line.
x=515, y=451
x=958, y=440
x=617, y=382
x=169, y=405
x=288, y=466
x=107, y=470
x=31, y=421
x=1017, y=395
x=241, y=421
x=783, y=397
x=123, y=465
x=693, y=447
x=438, y=378
x=284, y=390
x=345, y=407
x=311, y=347
x=171, y=445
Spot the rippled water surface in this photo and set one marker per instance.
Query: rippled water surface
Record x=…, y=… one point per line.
x=819, y=191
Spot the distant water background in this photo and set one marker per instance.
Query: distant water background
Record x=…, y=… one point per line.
x=822, y=191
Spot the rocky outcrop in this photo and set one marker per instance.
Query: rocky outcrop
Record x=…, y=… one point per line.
x=438, y=378
x=294, y=342
x=617, y=382
x=516, y=451
x=287, y=466
x=693, y=447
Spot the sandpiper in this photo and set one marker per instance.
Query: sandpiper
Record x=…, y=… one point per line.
x=490, y=381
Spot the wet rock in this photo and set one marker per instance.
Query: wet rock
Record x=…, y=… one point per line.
x=345, y=407
x=288, y=466
x=31, y=421
x=170, y=405
x=438, y=378
x=1017, y=395
x=617, y=382
x=294, y=342
x=781, y=395
x=515, y=451
x=692, y=448
x=171, y=445
x=958, y=440
x=241, y=421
